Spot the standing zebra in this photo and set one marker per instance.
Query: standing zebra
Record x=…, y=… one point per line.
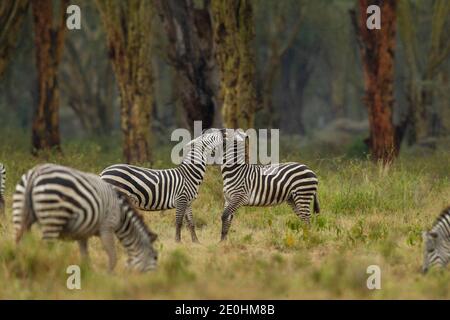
x=70, y=204
x=437, y=242
x=263, y=185
x=153, y=190
x=2, y=188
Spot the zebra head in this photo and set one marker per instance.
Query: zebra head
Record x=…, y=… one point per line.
x=137, y=238
x=204, y=146
x=434, y=250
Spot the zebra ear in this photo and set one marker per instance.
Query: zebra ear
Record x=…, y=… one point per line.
x=122, y=197
x=240, y=135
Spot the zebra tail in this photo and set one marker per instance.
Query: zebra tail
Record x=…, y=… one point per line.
x=316, y=204
x=27, y=210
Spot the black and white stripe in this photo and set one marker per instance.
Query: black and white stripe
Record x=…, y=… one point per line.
x=152, y=190
x=264, y=185
x=2, y=188
x=70, y=204
x=437, y=242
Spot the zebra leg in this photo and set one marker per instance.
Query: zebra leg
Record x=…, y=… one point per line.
x=191, y=224
x=179, y=215
x=227, y=217
x=84, y=252
x=107, y=238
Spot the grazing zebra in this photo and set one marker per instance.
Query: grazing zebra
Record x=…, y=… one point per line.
x=437, y=242
x=69, y=204
x=2, y=188
x=153, y=190
x=263, y=185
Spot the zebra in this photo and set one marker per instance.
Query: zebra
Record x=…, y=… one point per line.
x=437, y=242
x=263, y=185
x=2, y=188
x=72, y=205
x=154, y=190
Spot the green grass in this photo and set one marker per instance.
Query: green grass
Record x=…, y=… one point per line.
x=369, y=215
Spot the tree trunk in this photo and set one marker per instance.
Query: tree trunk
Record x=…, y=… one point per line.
x=298, y=72
x=128, y=29
x=377, y=52
x=91, y=92
x=444, y=97
x=420, y=87
x=190, y=52
x=11, y=18
x=277, y=51
x=233, y=33
x=49, y=41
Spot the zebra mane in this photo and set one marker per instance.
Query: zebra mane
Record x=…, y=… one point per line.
x=205, y=133
x=442, y=217
x=199, y=145
x=126, y=204
x=234, y=148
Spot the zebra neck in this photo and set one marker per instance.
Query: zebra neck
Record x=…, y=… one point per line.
x=132, y=233
x=193, y=172
x=442, y=223
x=234, y=157
x=194, y=166
x=195, y=156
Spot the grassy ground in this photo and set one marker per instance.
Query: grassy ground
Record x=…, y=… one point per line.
x=370, y=216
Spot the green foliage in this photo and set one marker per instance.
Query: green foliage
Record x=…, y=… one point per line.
x=176, y=266
x=358, y=149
